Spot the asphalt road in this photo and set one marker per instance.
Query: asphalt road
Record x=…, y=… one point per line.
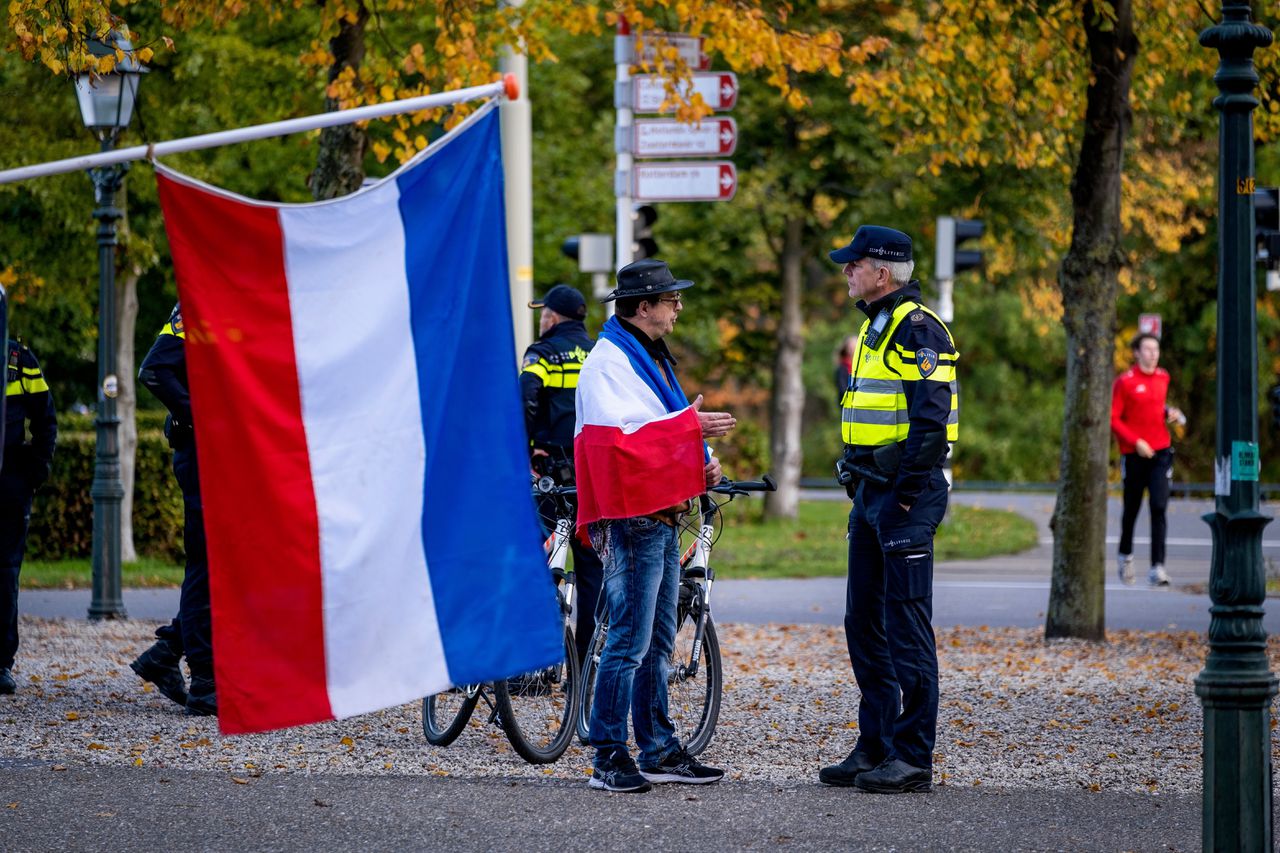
x=105, y=808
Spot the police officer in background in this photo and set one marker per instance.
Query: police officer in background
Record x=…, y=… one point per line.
x=25, y=467
x=548, y=383
x=164, y=372
x=898, y=416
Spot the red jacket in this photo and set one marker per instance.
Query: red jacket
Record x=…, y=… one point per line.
x=1138, y=409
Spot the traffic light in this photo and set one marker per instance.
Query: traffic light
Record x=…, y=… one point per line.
x=949, y=257
x=1273, y=396
x=642, y=243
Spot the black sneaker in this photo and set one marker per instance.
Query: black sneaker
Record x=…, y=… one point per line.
x=202, y=701
x=618, y=773
x=682, y=768
x=7, y=685
x=159, y=665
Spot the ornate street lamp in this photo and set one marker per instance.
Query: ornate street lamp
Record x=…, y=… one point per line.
x=1236, y=685
x=106, y=105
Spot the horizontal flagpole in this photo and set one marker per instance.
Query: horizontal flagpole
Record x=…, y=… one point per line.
x=505, y=87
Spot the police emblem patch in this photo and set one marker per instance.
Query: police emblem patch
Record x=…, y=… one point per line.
x=927, y=360
x=530, y=358
x=917, y=317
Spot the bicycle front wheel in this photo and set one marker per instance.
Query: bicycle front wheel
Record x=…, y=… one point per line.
x=444, y=715
x=694, y=684
x=587, y=683
x=538, y=710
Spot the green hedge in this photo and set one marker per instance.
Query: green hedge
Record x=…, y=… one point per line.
x=62, y=514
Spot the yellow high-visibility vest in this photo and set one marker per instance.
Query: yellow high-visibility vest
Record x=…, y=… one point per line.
x=874, y=408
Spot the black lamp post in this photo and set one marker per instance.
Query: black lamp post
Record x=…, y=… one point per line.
x=1236, y=684
x=106, y=105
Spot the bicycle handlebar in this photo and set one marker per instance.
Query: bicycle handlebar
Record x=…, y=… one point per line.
x=547, y=486
x=742, y=487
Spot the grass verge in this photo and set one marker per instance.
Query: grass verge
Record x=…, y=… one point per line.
x=750, y=547
x=814, y=545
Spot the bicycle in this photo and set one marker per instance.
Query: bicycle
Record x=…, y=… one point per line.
x=695, y=678
x=535, y=709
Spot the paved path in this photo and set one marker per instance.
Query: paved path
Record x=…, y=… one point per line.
x=1000, y=591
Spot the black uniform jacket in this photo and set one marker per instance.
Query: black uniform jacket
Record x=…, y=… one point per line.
x=549, y=383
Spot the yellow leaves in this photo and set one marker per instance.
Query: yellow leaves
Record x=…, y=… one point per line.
x=97, y=746
x=239, y=781
x=72, y=716
x=347, y=741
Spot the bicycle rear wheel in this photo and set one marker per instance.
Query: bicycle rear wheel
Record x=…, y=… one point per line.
x=539, y=710
x=445, y=714
x=693, y=694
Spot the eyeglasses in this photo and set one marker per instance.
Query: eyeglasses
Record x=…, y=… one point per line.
x=673, y=299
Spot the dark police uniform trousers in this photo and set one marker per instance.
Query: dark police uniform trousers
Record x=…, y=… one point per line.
x=891, y=573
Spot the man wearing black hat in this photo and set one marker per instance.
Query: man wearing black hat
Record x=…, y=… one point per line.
x=549, y=382
x=898, y=417
x=640, y=459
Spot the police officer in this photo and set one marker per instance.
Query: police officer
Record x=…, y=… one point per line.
x=26, y=465
x=548, y=383
x=164, y=372
x=897, y=418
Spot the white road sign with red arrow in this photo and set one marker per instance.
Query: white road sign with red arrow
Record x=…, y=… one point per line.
x=649, y=46
x=718, y=89
x=714, y=180
x=716, y=137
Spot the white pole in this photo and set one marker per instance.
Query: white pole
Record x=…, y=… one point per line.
x=260, y=131
x=623, y=52
x=517, y=169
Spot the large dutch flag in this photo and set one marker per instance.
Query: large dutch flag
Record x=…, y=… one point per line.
x=361, y=445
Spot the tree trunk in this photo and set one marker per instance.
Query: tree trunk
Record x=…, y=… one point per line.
x=340, y=162
x=788, y=379
x=1088, y=280
x=127, y=403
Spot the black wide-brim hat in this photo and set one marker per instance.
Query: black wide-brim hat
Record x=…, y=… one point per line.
x=645, y=278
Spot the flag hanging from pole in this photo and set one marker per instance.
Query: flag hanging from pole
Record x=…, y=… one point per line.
x=364, y=477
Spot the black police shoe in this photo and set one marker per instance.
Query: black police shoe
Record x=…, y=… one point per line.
x=846, y=771
x=895, y=776
x=202, y=701
x=159, y=665
x=7, y=685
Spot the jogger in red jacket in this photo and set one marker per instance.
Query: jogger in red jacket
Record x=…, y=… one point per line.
x=1140, y=415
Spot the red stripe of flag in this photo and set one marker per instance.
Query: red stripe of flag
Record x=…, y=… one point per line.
x=624, y=475
x=264, y=567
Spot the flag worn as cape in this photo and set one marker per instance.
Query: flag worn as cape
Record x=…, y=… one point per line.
x=637, y=445
x=371, y=534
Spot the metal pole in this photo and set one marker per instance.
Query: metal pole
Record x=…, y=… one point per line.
x=517, y=167
x=108, y=488
x=506, y=88
x=1236, y=685
x=623, y=52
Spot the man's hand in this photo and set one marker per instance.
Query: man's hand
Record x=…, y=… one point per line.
x=533, y=463
x=713, y=424
x=713, y=472
x=1174, y=415
x=1144, y=449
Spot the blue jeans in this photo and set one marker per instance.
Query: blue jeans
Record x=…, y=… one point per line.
x=641, y=586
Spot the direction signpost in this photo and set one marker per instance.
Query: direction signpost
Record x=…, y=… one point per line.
x=714, y=180
x=648, y=92
x=715, y=136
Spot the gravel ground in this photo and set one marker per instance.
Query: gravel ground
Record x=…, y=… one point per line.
x=1015, y=712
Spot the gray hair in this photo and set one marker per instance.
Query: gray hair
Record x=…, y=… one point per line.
x=899, y=271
